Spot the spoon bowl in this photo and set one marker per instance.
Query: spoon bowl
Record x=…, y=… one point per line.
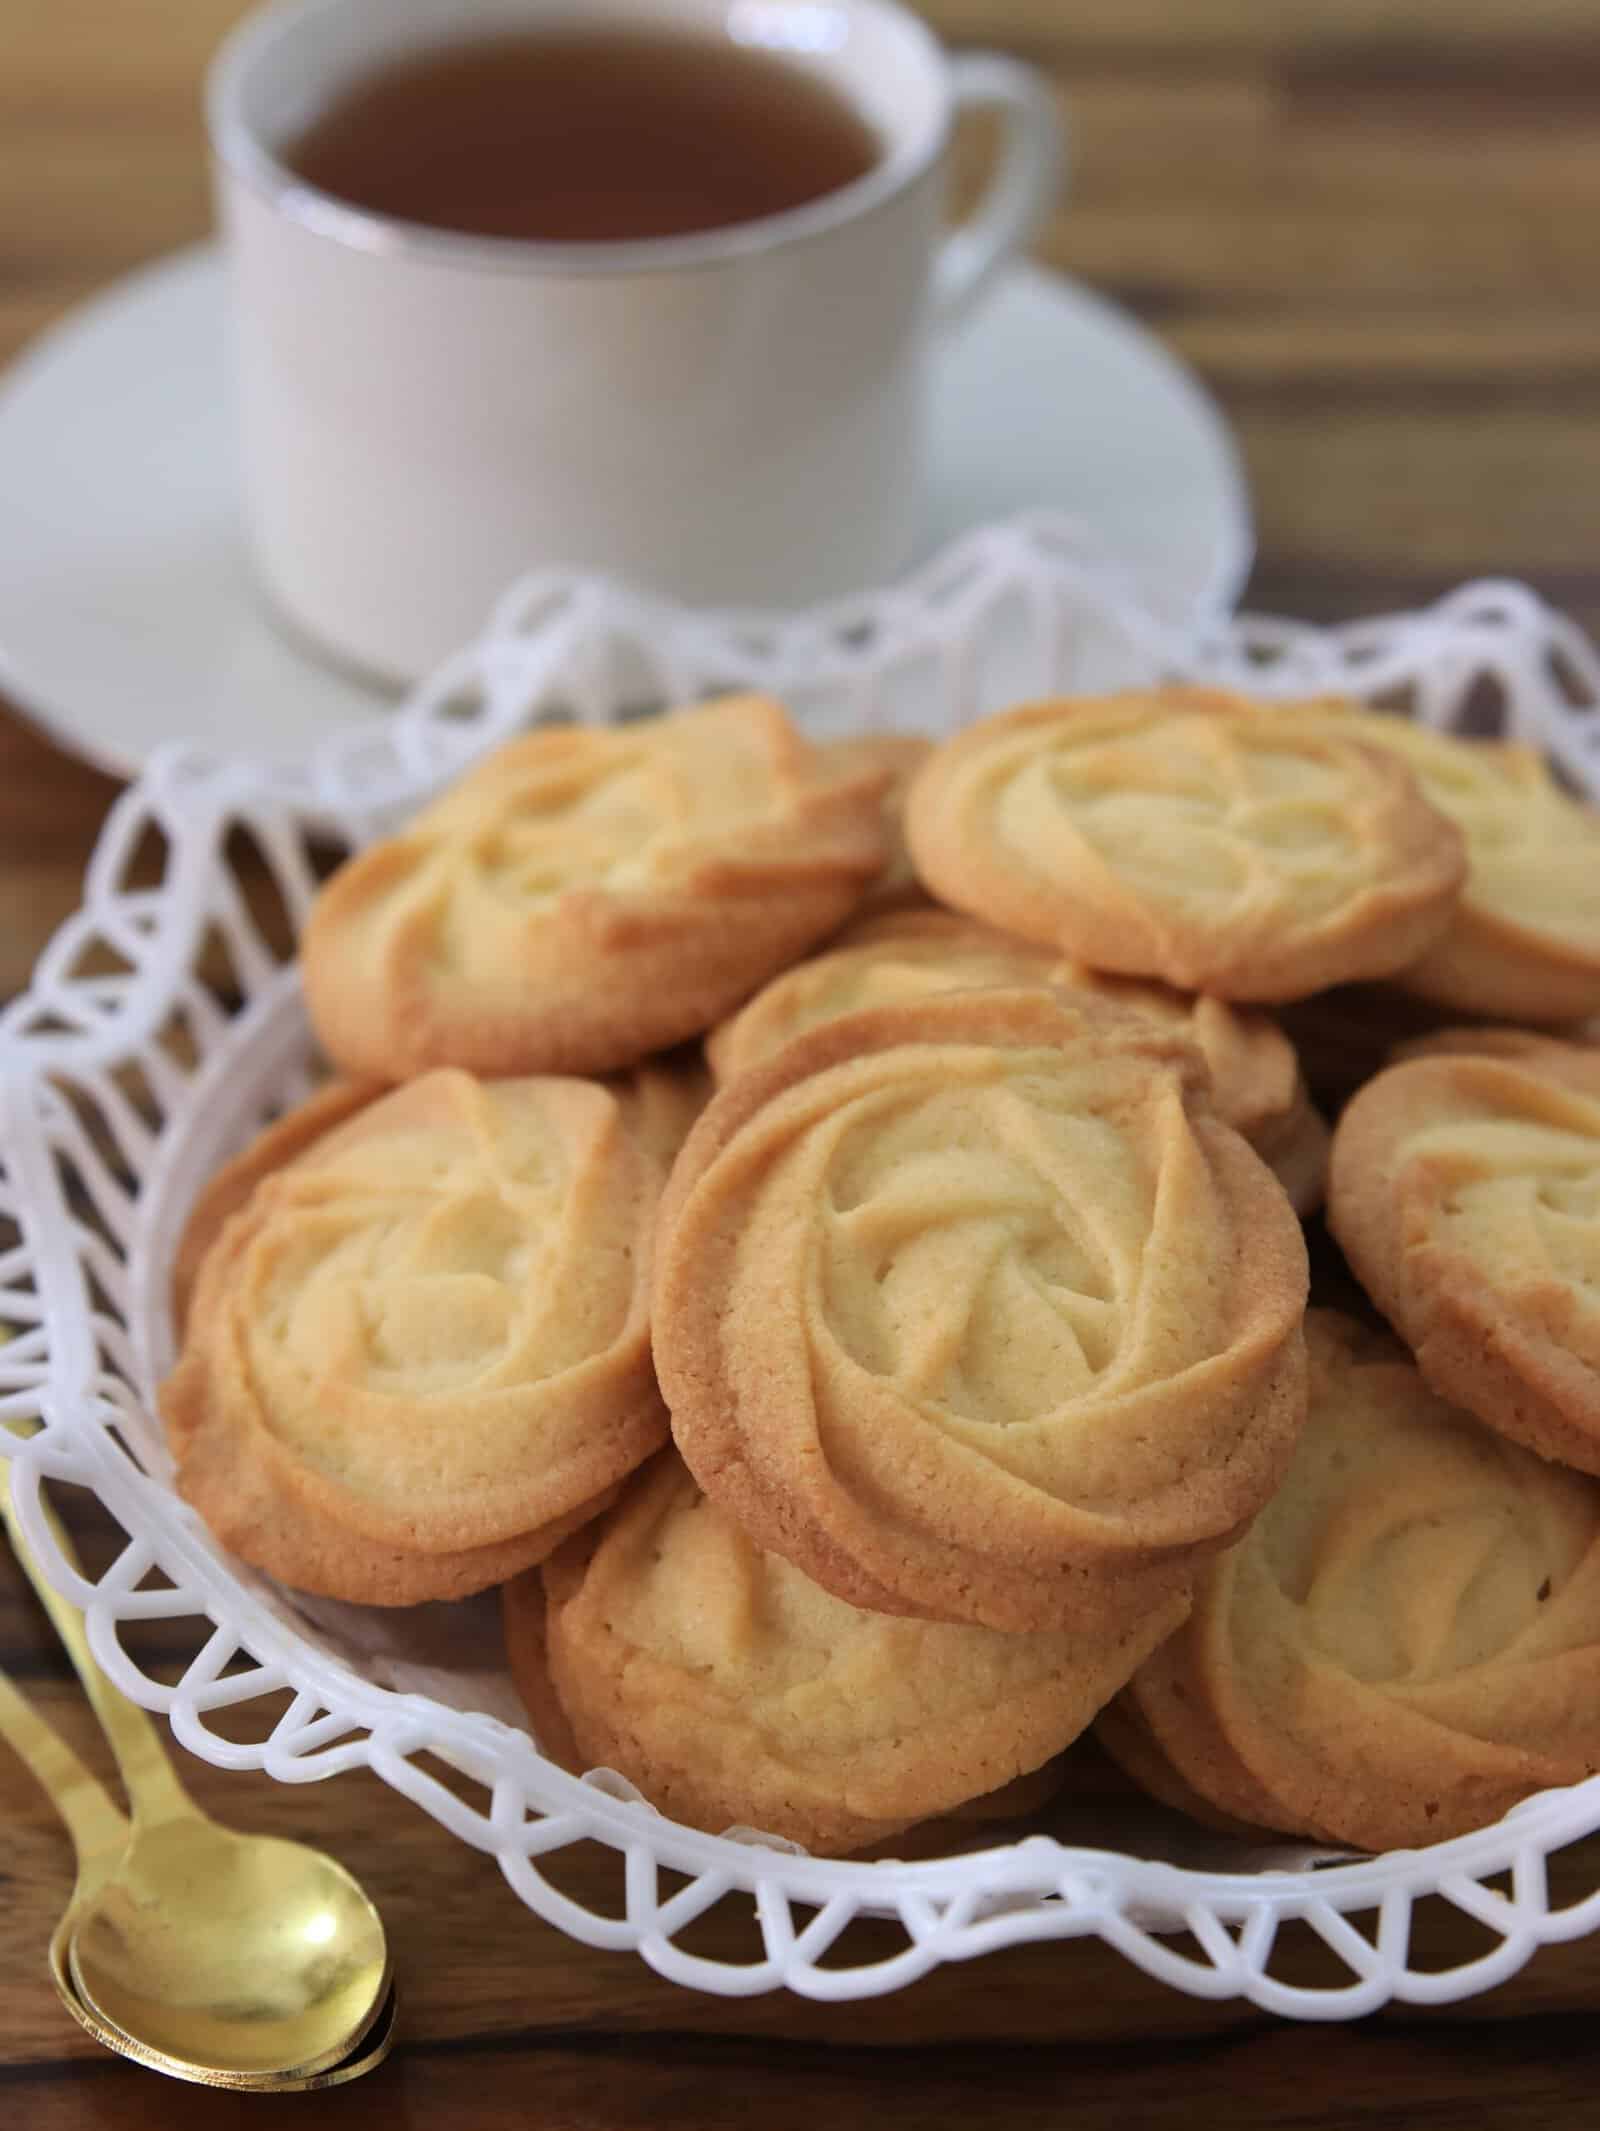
x=366, y=2051
x=102, y=1837
x=237, y=1954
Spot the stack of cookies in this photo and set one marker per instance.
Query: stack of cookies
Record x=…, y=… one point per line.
x=858, y=1406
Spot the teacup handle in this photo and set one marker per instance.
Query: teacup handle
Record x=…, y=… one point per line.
x=1026, y=177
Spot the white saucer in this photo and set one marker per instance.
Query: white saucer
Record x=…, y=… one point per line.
x=127, y=613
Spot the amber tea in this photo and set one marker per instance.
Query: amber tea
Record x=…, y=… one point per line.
x=580, y=136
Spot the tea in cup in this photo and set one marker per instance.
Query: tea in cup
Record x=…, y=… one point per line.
x=644, y=288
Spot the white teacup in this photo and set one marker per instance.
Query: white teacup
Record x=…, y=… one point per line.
x=734, y=418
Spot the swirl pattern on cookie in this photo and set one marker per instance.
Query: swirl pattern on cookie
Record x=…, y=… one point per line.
x=1525, y=943
x=1219, y=845
x=973, y=1309
x=428, y=1332
x=876, y=961
x=1405, y=1644
x=283, y=1141
x=734, y=1691
x=1485, y=1039
x=1256, y=1082
x=1465, y=1192
x=587, y=896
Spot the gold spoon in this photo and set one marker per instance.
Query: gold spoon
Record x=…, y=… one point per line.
x=222, y=1958
x=101, y=1836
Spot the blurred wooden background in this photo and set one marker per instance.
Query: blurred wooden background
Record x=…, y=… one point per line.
x=1372, y=225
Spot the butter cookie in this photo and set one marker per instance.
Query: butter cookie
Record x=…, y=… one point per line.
x=1465, y=1191
x=589, y=895
x=1256, y=1084
x=734, y=1691
x=1525, y=940
x=418, y=1354
x=876, y=961
x=227, y=1189
x=901, y=755
x=973, y=1309
x=660, y=1099
x=1220, y=845
x=1483, y=1039
x=1406, y=1642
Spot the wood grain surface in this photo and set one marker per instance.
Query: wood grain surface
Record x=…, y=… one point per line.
x=1371, y=225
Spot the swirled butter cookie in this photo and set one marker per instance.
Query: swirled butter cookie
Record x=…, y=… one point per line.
x=284, y=1140
x=1484, y=1039
x=418, y=1355
x=586, y=896
x=660, y=1100
x=1405, y=1643
x=972, y=1308
x=525, y=1614
x=876, y=961
x=1465, y=1192
x=1189, y=835
x=1525, y=940
x=734, y=1691
x=900, y=756
x=1256, y=1082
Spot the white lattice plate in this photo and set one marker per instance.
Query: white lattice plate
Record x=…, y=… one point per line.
x=163, y=1028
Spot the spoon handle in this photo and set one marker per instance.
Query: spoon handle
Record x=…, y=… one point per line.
x=84, y=1804
x=152, y=1785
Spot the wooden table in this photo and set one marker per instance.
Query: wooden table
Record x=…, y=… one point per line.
x=1371, y=224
